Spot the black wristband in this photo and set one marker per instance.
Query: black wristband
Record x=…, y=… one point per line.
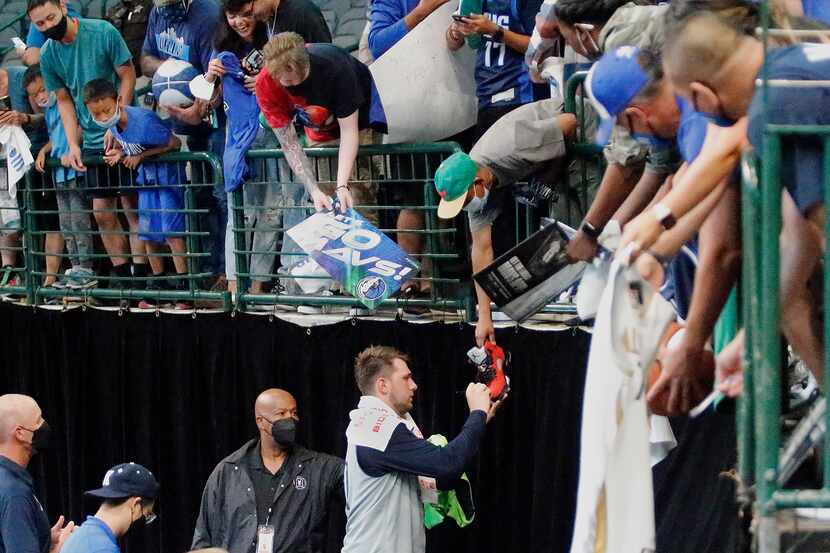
x=590, y=230
x=498, y=35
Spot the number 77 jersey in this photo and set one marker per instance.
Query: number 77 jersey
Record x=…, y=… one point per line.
x=501, y=74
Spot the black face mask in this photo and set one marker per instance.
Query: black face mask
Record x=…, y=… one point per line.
x=284, y=431
x=57, y=31
x=143, y=521
x=40, y=436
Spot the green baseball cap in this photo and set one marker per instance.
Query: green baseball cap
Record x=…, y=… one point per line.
x=452, y=180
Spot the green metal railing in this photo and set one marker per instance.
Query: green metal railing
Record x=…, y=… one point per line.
x=761, y=457
x=124, y=288
x=393, y=167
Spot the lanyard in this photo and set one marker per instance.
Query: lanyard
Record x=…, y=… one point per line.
x=272, y=26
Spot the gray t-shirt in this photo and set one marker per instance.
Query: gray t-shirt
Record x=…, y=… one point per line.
x=514, y=147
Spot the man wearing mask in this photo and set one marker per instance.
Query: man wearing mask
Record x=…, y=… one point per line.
x=79, y=51
x=129, y=493
x=24, y=527
x=287, y=486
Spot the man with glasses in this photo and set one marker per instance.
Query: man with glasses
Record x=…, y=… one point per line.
x=288, y=487
x=129, y=493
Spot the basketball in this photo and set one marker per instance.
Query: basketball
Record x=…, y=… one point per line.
x=705, y=372
x=171, y=83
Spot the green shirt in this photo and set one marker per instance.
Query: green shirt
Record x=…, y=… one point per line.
x=98, y=49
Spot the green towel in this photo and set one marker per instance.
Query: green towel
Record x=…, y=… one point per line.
x=456, y=504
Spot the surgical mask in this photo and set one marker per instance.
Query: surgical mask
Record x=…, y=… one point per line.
x=57, y=31
x=284, y=431
x=40, y=436
x=587, y=27
x=111, y=122
x=50, y=101
x=175, y=12
x=477, y=204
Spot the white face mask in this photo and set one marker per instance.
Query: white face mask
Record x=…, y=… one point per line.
x=477, y=204
x=111, y=122
x=50, y=101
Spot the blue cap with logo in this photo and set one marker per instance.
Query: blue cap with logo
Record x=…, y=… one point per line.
x=611, y=84
x=127, y=480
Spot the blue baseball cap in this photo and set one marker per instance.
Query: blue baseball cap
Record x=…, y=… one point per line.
x=611, y=84
x=127, y=480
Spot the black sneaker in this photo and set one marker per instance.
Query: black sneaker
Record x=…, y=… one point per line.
x=153, y=288
x=182, y=304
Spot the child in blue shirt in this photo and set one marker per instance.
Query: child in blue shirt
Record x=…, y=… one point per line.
x=73, y=206
x=138, y=134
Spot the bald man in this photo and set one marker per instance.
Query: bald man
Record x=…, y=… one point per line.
x=24, y=527
x=271, y=495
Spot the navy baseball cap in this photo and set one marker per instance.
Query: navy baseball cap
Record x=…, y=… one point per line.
x=127, y=480
x=611, y=84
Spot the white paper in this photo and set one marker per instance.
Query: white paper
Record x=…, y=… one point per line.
x=428, y=92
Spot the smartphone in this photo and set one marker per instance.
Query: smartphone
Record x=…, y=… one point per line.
x=5, y=103
x=18, y=43
x=458, y=17
x=253, y=62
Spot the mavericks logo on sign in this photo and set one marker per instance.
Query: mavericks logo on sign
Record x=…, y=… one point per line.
x=368, y=264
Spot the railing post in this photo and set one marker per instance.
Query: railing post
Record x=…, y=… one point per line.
x=768, y=377
x=27, y=221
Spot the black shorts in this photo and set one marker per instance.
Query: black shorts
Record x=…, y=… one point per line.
x=419, y=167
x=103, y=181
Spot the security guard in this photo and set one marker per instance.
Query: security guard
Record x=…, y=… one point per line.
x=287, y=487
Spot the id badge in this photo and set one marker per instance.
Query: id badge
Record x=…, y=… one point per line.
x=265, y=539
x=429, y=490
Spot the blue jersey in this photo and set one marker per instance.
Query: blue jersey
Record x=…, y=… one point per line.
x=93, y=536
x=60, y=145
x=146, y=130
x=801, y=163
x=502, y=78
x=242, y=111
x=190, y=40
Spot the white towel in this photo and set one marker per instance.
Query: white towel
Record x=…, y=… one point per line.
x=620, y=441
x=16, y=146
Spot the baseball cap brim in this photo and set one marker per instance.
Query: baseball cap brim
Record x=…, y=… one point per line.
x=447, y=209
x=106, y=493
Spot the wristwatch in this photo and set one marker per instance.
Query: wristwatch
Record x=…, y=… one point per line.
x=664, y=216
x=590, y=230
x=498, y=35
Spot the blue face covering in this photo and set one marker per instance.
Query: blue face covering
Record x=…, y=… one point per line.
x=175, y=12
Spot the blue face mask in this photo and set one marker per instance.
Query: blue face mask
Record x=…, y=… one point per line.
x=111, y=122
x=175, y=12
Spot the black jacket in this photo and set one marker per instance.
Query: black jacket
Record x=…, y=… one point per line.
x=227, y=517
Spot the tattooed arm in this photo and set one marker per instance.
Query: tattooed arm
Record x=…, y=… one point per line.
x=301, y=165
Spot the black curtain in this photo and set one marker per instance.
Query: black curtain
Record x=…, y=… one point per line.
x=176, y=394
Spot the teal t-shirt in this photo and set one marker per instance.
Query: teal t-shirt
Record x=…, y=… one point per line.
x=96, y=52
